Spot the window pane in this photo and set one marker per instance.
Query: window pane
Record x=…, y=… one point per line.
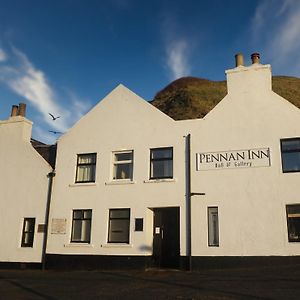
x=119, y=231
x=86, y=158
x=162, y=169
x=291, y=161
x=161, y=153
x=123, y=156
x=77, y=214
x=213, y=226
x=87, y=214
x=119, y=213
x=292, y=144
x=123, y=171
x=76, y=235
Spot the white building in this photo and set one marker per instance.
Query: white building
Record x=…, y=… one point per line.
x=135, y=188
x=23, y=193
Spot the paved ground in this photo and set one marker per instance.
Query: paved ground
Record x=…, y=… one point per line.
x=280, y=283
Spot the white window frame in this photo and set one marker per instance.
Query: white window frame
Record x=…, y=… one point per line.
x=116, y=163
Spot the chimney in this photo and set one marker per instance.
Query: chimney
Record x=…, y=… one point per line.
x=14, y=110
x=239, y=60
x=255, y=58
x=22, y=110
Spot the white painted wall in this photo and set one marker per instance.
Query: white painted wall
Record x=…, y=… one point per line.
x=23, y=190
x=251, y=201
x=121, y=121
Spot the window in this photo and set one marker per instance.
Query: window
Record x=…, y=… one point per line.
x=161, y=163
x=28, y=232
x=123, y=165
x=139, y=224
x=213, y=226
x=81, y=226
x=293, y=222
x=290, y=155
x=119, y=220
x=86, y=168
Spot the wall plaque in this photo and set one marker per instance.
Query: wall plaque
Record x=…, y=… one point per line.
x=58, y=226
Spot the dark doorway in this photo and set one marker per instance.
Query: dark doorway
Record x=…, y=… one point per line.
x=166, y=249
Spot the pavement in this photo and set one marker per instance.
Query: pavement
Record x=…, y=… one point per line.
x=265, y=283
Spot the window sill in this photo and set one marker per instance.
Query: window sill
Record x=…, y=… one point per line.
x=78, y=245
x=83, y=184
x=118, y=182
x=116, y=245
x=160, y=180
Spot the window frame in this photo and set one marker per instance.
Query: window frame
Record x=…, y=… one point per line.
x=82, y=218
x=151, y=177
x=291, y=240
x=209, y=226
x=29, y=232
x=93, y=165
x=122, y=162
x=296, y=150
x=110, y=219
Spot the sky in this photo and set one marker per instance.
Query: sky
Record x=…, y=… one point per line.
x=63, y=56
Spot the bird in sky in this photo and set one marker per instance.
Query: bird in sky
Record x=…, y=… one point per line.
x=55, y=132
x=54, y=118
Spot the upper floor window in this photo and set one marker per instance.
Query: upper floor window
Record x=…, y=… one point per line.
x=28, y=232
x=161, y=163
x=81, y=226
x=123, y=165
x=86, y=167
x=293, y=222
x=290, y=155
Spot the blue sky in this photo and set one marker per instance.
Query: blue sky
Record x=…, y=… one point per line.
x=64, y=56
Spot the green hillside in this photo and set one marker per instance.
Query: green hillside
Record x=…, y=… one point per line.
x=191, y=97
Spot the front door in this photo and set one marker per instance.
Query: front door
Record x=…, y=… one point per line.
x=166, y=249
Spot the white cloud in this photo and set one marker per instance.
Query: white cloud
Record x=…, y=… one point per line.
x=177, y=58
x=3, y=55
x=177, y=47
x=30, y=83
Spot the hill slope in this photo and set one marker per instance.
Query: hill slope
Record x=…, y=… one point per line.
x=191, y=97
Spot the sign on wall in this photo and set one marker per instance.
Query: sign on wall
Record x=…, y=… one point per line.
x=234, y=159
x=58, y=226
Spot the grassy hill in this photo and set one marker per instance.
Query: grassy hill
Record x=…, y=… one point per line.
x=191, y=97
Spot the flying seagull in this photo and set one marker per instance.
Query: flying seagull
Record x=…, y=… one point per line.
x=54, y=118
x=55, y=132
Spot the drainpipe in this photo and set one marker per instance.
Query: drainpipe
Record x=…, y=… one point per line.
x=189, y=194
x=188, y=200
x=50, y=183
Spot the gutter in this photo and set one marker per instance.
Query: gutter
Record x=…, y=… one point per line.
x=50, y=176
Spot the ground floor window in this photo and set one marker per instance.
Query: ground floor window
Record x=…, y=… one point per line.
x=119, y=220
x=28, y=232
x=213, y=226
x=81, y=226
x=293, y=222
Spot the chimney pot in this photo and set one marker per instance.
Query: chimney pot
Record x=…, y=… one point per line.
x=14, y=110
x=239, y=60
x=255, y=58
x=22, y=110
